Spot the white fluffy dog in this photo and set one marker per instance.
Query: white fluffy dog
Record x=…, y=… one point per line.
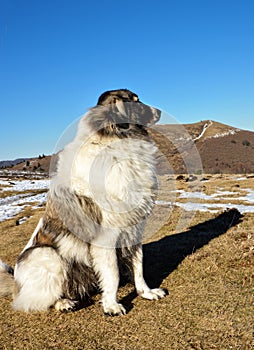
x=98, y=202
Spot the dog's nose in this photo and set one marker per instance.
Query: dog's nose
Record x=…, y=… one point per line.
x=157, y=114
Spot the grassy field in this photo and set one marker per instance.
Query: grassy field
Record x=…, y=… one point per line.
x=207, y=269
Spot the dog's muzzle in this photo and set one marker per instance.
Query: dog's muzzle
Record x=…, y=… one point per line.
x=156, y=116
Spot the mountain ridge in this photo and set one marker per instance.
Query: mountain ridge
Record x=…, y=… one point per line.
x=8, y=163
x=222, y=149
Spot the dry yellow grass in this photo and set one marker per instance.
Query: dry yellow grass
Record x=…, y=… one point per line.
x=207, y=269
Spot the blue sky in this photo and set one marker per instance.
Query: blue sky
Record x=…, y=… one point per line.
x=192, y=58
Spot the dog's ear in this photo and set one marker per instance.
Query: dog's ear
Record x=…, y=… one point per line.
x=106, y=98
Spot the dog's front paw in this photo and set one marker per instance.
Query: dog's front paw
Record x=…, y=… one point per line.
x=153, y=294
x=65, y=305
x=114, y=309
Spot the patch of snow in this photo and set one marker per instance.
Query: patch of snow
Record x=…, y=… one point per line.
x=177, y=191
x=226, y=133
x=206, y=126
x=214, y=207
x=8, y=212
x=249, y=196
x=25, y=185
x=198, y=195
x=22, y=220
x=12, y=206
x=224, y=193
x=161, y=202
x=201, y=195
x=22, y=174
x=3, y=182
x=240, y=178
x=185, y=138
x=12, y=199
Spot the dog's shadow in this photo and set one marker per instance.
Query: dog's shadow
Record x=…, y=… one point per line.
x=163, y=256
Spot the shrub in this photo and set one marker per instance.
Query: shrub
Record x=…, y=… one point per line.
x=246, y=143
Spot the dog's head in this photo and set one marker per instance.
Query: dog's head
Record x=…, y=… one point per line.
x=124, y=113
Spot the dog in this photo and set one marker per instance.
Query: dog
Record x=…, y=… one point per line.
x=99, y=198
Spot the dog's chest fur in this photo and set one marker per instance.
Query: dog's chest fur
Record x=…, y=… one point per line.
x=117, y=174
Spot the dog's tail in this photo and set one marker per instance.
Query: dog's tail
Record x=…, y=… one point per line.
x=6, y=279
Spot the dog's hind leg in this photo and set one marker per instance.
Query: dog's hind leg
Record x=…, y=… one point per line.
x=39, y=276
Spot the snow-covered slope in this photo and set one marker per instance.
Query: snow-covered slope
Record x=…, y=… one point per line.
x=12, y=205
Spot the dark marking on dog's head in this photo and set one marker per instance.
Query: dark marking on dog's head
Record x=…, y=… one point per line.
x=121, y=113
x=112, y=96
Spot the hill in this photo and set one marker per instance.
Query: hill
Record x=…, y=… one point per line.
x=221, y=148
x=204, y=147
x=10, y=163
x=40, y=164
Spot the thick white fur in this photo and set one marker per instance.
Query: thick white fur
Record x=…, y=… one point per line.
x=119, y=176
x=40, y=277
